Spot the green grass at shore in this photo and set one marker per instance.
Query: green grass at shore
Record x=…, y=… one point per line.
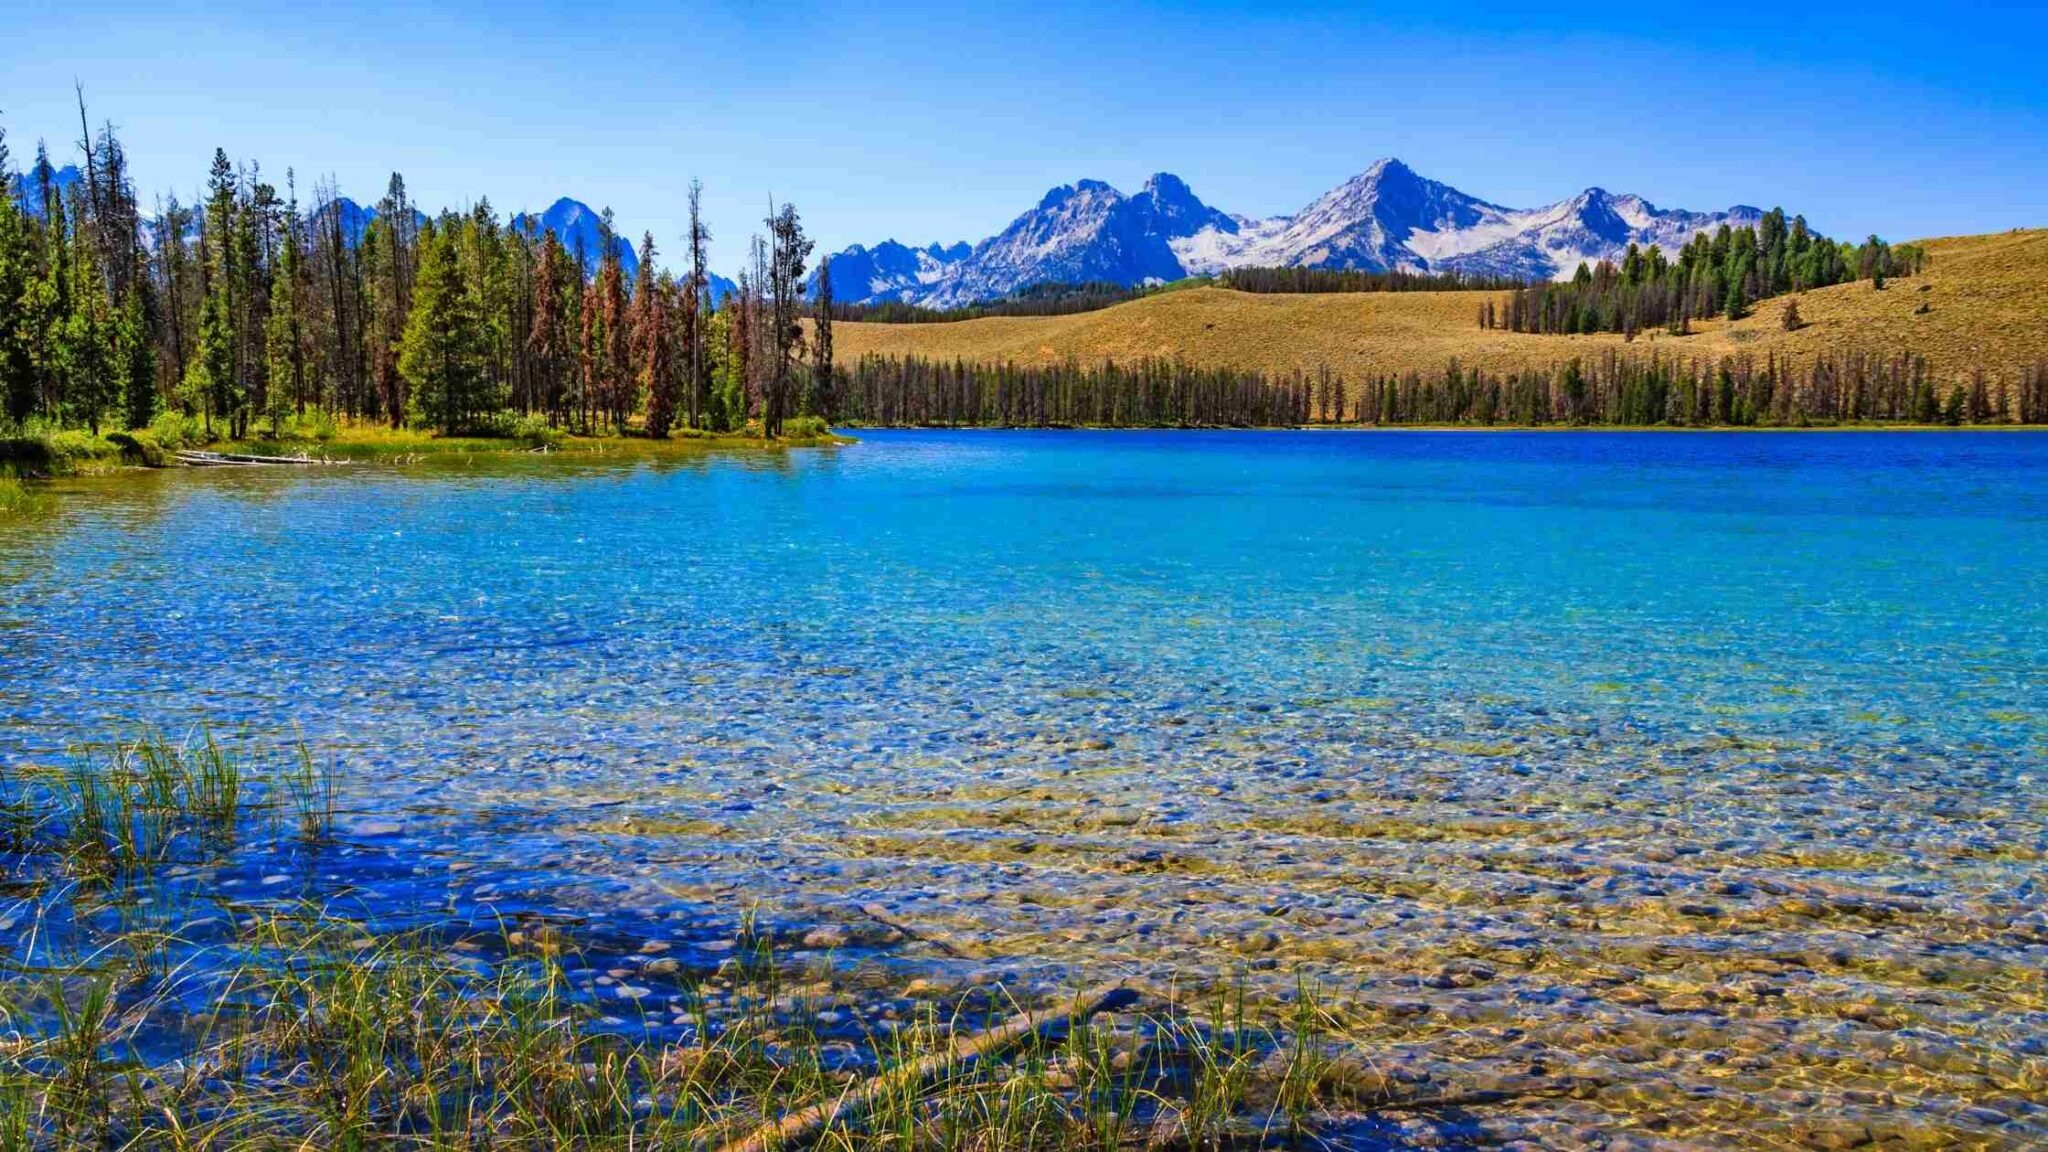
x=16, y=498
x=359, y=441
x=40, y=453
x=36, y=452
x=139, y=1011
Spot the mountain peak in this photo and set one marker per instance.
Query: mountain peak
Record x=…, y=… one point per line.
x=577, y=227
x=1386, y=217
x=1055, y=196
x=889, y=271
x=1079, y=189
x=1176, y=211
x=27, y=185
x=1172, y=192
x=1167, y=184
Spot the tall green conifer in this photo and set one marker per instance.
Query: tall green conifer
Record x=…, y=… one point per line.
x=441, y=353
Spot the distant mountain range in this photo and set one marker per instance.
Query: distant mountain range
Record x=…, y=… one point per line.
x=1387, y=217
x=355, y=218
x=578, y=228
x=60, y=178
x=892, y=271
x=572, y=221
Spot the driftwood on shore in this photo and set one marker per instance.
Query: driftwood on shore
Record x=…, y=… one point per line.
x=1023, y=1031
x=216, y=459
x=937, y=940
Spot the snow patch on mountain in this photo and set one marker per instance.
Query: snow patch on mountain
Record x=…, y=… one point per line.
x=353, y=218
x=891, y=271
x=1385, y=218
x=28, y=189
x=580, y=231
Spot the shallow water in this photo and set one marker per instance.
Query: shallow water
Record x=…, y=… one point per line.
x=1710, y=765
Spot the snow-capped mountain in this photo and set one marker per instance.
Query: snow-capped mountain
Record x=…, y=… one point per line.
x=353, y=218
x=1083, y=232
x=1387, y=217
x=1363, y=223
x=29, y=192
x=578, y=228
x=891, y=271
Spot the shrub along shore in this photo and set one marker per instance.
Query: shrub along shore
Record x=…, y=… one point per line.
x=37, y=453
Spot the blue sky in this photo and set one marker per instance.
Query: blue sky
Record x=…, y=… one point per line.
x=942, y=123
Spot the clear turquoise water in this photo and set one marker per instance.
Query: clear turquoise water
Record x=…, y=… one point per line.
x=1138, y=700
x=1898, y=574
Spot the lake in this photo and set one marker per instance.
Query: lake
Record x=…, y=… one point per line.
x=1711, y=764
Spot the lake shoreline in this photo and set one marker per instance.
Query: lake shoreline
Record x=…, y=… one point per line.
x=38, y=459
x=76, y=453
x=1546, y=428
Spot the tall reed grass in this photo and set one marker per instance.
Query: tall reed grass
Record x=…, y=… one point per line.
x=175, y=1018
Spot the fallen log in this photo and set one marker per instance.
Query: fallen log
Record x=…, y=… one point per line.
x=1170, y=1131
x=880, y=915
x=215, y=459
x=1023, y=1031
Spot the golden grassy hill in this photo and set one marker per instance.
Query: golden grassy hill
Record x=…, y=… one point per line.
x=1988, y=297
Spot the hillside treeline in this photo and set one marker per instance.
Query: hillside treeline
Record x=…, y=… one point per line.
x=248, y=309
x=1615, y=390
x=1054, y=299
x=1151, y=393
x=1049, y=299
x=1720, y=274
x=1624, y=390
x=1300, y=281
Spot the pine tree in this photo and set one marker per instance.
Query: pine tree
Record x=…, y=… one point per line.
x=255, y=251
x=589, y=358
x=614, y=350
x=656, y=370
x=211, y=374
x=17, y=371
x=736, y=364
x=788, y=250
x=1736, y=304
x=441, y=353
x=824, y=389
x=696, y=306
x=136, y=351
x=548, y=336
x=340, y=276
x=85, y=347
x=216, y=370
x=393, y=238
x=45, y=298
x=283, y=332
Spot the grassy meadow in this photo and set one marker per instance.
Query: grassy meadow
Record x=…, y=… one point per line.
x=1982, y=302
